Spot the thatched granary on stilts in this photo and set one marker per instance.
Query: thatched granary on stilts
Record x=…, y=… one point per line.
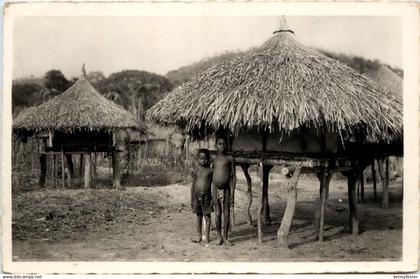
x=285, y=104
x=78, y=121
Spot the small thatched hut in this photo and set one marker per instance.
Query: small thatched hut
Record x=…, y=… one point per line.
x=78, y=121
x=286, y=104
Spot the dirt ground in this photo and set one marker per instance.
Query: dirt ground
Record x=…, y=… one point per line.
x=154, y=223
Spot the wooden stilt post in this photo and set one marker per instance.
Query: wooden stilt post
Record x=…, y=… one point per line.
x=286, y=222
x=260, y=205
x=116, y=169
x=352, y=177
x=43, y=165
x=265, y=181
x=362, y=186
x=266, y=219
x=375, y=196
x=53, y=172
x=88, y=170
x=385, y=199
x=81, y=165
x=62, y=168
x=70, y=167
x=385, y=202
x=95, y=174
x=324, y=178
x=245, y=169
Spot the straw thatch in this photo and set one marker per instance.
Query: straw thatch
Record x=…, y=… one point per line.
x=282, y=85
x=80, y=107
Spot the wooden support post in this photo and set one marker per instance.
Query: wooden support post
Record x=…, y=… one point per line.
x=286, y=222
x=88, y=170
x=260, y=205
x=53, y=171
x=362, y=186
x=266, y=219
x=43, y=165
x=70, y=167
x=245, y=168
x=95, y=174
x=375, y=196
x=324, y=178
x=385, y=195
x=116, y=175
x=358, y=190
x=62, y=168
x=385, y=198
x=352, y=177
x=81, y=164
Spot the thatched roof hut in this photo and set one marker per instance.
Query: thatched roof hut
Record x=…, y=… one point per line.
x=79, y=108
x=282, y=85
x=287, y=104
x=79, y=121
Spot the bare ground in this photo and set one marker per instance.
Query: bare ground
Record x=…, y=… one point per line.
x=146, y=223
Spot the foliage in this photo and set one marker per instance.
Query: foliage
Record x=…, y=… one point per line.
x=136, y=90
x=184, y=73
x=55, y=79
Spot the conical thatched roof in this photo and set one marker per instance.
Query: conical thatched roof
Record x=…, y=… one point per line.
x=282, y=85
x=388, y=79
x=80, y=107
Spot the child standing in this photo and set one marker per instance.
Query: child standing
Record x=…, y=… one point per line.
x=223, y=175
x=201, y=200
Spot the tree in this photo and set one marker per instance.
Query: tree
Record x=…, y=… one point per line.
x=97, y=79
x=138, y=90
x=24, y=95
x=54, y=79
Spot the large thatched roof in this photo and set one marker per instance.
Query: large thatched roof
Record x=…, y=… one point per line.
x=282, y=85
x=80, y=107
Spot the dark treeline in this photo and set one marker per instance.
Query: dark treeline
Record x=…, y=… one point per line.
x=134, y=90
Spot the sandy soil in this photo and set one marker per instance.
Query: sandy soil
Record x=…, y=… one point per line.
x=145, y=223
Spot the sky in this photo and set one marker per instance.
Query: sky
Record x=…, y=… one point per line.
x=162, y=43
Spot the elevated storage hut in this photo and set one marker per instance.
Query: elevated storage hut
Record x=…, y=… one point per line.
x=285, y=104
x=78, y=121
